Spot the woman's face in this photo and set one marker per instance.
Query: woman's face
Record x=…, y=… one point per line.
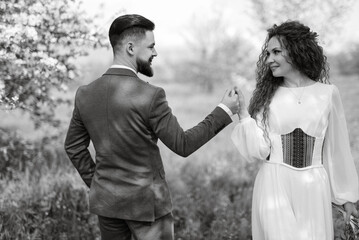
x=278, y=59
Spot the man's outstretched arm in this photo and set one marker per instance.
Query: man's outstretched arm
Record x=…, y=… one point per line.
x=184, y=143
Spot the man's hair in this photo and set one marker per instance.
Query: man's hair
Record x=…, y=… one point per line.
x=129, y=25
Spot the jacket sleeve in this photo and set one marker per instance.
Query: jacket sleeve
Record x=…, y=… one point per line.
x=76, y=147
x=166, y=127
x=337, y=157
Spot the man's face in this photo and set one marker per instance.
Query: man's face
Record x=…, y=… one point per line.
x=145, y=53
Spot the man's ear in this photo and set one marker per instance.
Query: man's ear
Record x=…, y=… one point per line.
x=130, y=48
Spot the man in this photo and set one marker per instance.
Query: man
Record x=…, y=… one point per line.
x=124, y=117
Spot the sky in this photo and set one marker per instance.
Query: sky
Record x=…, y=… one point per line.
x=172, y=18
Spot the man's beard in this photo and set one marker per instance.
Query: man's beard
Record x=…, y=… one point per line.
x=144, y=67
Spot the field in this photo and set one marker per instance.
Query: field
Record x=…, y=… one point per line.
x=211, y=189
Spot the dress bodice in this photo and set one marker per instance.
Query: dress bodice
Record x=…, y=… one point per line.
x=311, y=115
x=297, y=127
x=296, y=149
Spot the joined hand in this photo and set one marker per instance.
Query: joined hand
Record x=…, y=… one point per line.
x=230, y=99
x=234, y=100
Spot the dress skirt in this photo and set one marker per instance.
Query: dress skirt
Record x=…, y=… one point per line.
x=291, y=203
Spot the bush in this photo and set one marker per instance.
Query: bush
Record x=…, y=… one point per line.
x=20, y=156
x=60, y=212
x=218, y=208
x=16, y=154
x=41, y=194
x=347, y=62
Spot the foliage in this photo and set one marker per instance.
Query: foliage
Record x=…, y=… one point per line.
x=216, y=209
x=314, y=13
x=214, y=205
x=39, y=41
x=348, y=62
x=41, y=195
x=15, y=154
x=217, y=54
x=58, y=212
x=19, y=156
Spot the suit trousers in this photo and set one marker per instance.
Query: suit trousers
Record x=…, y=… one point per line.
x=120, y=229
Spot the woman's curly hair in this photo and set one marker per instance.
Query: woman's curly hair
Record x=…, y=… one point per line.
x=305, y=55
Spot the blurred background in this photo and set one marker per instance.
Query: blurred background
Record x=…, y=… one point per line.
x=50, y=48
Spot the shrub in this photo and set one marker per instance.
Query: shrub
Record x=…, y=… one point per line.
x=53, y=209
x=41, y=194
x=216, y=209
x=19, y=156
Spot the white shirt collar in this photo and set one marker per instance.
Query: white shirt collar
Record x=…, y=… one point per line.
x=123, y=66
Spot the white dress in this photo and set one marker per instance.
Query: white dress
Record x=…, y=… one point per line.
x=309, y=164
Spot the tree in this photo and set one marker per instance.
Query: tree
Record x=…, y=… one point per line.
x=218, y=54
x=324, y=16
x=348, y=61
x=39, y=41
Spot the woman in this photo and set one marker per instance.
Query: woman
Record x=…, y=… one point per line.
x=297, y=126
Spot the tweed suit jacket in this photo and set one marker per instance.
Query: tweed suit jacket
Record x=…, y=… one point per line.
x=124, y=117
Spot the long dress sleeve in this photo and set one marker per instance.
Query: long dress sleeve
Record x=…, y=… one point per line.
x=249, y=139
x=337, y=157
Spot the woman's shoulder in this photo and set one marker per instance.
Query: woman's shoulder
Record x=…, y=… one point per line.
x=331, y=90
x=326, y=86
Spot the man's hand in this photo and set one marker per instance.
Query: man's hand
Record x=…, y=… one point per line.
x=230, y=99
x=350, y=210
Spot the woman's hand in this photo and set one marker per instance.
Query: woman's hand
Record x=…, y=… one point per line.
x=350, y=209
x=242, y=113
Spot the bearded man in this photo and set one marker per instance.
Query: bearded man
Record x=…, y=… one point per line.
x=124, y=117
